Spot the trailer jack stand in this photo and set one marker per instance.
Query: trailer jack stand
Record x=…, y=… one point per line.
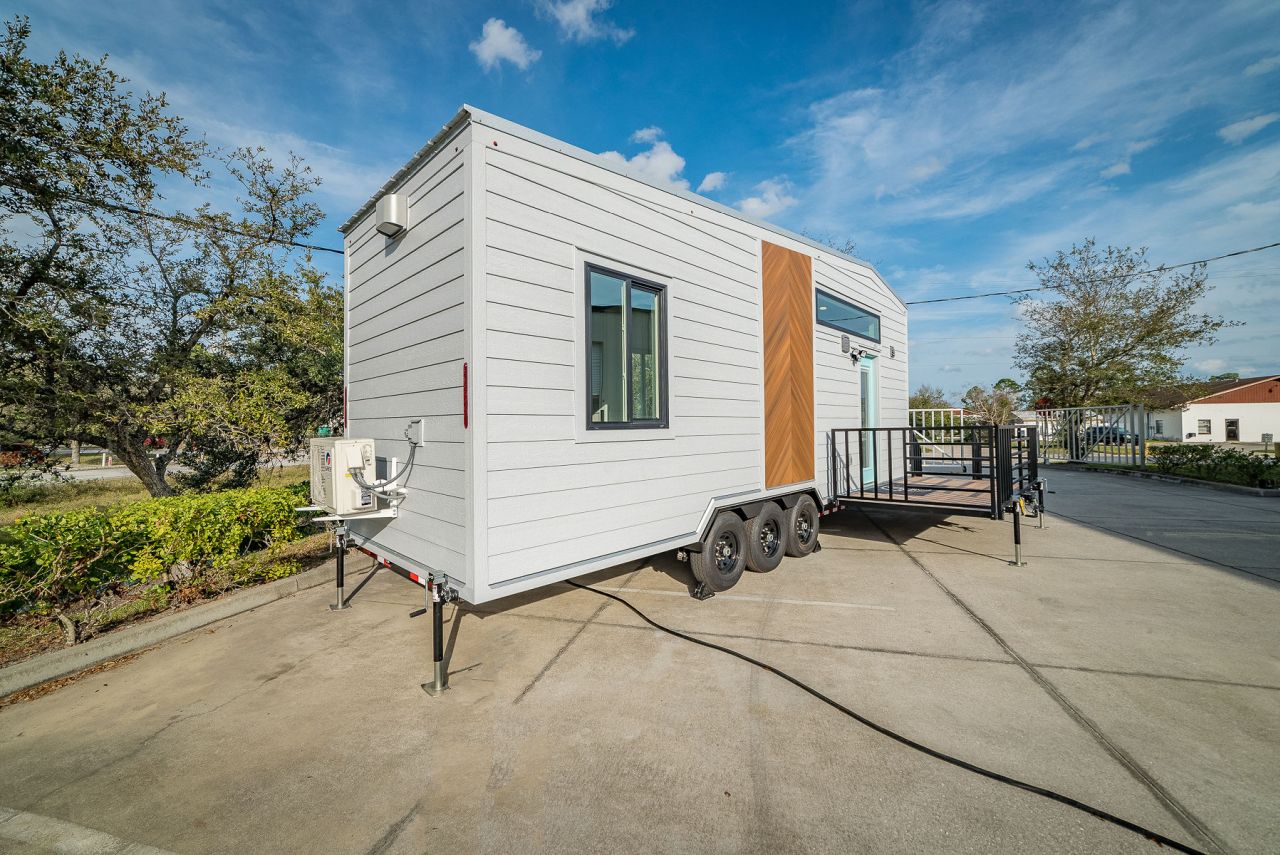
x=1017, y=561
x=439, y=595
x=340, y=540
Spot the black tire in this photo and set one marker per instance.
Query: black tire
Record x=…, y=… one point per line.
x=766, y=539
x=723, y=557
x=802, y=527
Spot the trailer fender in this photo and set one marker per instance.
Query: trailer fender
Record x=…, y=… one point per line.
x=748, y=510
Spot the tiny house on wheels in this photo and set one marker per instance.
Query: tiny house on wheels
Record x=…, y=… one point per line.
x=555, y=366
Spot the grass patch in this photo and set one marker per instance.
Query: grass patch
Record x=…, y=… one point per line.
x=60, y=497
x=72, y=495
x=27, y=636
x=152, y=600
x=283, y=476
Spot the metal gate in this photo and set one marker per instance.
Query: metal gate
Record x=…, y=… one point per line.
x=940, y=422
x=1094, y=435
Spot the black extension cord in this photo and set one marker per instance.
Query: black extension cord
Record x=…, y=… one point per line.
x=1154, y=836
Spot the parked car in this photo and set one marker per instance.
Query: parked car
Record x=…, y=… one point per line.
x=1109, y=435
x=18, y=453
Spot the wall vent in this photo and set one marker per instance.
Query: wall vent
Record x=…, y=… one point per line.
x=392, y=216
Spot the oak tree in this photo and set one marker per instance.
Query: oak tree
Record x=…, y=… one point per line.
x=1108, y=329
x=156, y=336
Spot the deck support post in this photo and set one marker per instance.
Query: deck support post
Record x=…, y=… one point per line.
x=439, y=594
x=340, y=540
x=1017, y=561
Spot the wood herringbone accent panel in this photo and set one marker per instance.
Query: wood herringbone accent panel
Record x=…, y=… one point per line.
x=787, y=299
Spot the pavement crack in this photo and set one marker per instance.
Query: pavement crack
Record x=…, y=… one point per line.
x=1180, y=812
x=383, y=843
x=564, y=647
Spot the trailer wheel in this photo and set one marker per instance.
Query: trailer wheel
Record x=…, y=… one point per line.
x=766, y=539
x=723, y=557
x=802, y=527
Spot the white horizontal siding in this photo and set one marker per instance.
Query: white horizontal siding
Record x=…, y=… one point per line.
x=551, y=455
x=837, y=392
x=424, y=376
x=553, y=499
x=406, y=344
x=522, y=373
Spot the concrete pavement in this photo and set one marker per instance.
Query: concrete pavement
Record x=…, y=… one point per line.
x=1142, y=680
x=1234, y=530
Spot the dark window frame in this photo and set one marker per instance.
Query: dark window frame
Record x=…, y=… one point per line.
x=664, y=393
x=849, y=304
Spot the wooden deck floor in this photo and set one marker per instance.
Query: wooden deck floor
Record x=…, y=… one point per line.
x=928, y=489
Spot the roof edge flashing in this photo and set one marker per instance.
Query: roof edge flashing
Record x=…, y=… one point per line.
x=446, y=133
x=468, y=114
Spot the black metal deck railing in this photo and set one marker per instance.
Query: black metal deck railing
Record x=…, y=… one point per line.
x=974, y=469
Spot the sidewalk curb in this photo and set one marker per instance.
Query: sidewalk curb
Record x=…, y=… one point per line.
x=60, y=663
x=1266, y=492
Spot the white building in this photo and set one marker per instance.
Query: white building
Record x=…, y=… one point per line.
x=1245, y=410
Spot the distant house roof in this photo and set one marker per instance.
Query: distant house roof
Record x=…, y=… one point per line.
x=1176, y=396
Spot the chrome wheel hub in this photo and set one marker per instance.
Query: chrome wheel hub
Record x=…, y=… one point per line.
x=769, y=541
x=804, y=528
x=726, y=551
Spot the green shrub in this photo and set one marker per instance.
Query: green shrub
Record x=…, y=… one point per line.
x=50, y=563
x=1168, y=458
x=1199, y=460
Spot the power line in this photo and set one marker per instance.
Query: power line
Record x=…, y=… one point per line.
x=1099, y=279
x=188, y=221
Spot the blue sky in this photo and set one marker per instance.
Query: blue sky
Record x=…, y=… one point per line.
x=951, y=141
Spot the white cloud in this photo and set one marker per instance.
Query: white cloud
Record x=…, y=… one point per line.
x=1118, y=168
x=923, y=171
x=647, y=135
x=1237, y=132
x=948, y=126
x=1229, y=203
x=1124, y=166
x=773, y=197
x=712, y=182
x=579, y=22
x=950, y=369
x=499, y=42
x=1262, y=66
x=1088, y=142
x=946, y=26
x=1022, y=124
x=659, y=164
x=1211, y=366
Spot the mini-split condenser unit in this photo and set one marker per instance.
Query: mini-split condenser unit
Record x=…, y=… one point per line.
x=333, y=486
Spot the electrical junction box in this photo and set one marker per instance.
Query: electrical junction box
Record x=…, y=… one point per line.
x=332, y=485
